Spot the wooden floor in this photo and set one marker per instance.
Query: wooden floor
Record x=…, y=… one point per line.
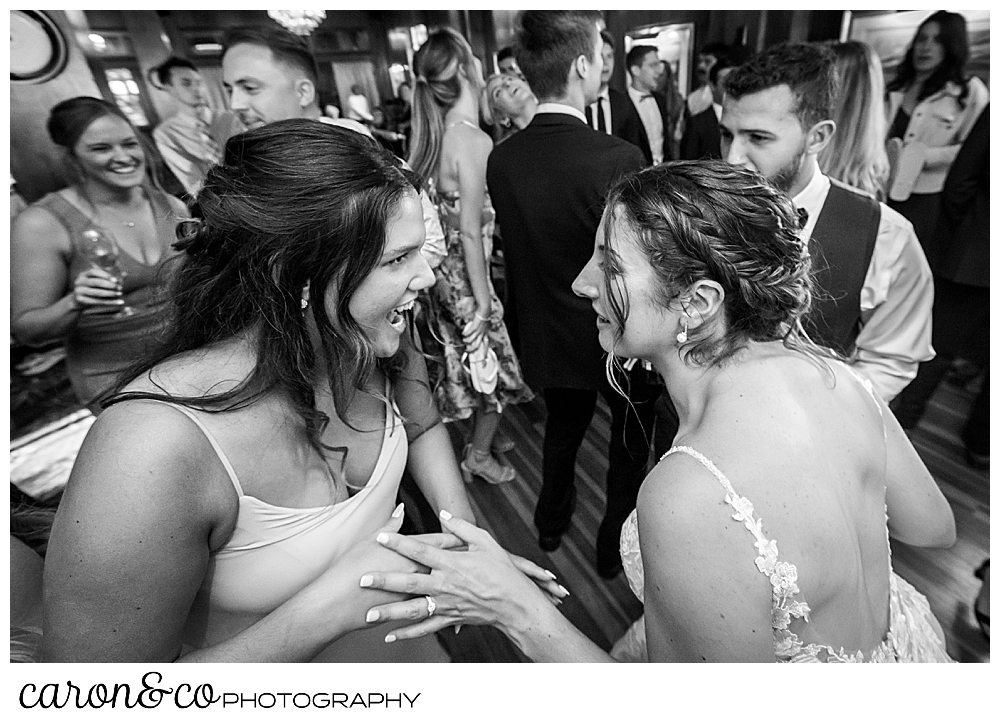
x=604, y=609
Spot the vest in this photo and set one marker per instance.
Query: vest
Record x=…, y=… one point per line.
x=841, y=248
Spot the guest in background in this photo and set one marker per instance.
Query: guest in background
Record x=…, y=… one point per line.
x=613, y=112
x=933, y=105
x=357, y=106
x=856, y=153
x=701, y=131
x=876, y=287
x=508, y=63
x=481, y=373
x=271, y=75
x=108, y=318
x=703, y=96
x=659, y=114
x=190, y=141
x=960, y=259
x=508, y=105
x=548, y=184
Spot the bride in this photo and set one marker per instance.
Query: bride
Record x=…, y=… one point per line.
x=763, y=534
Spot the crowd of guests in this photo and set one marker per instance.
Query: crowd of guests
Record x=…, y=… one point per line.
x=723, y=270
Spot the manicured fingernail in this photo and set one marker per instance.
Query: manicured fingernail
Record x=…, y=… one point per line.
x=390, y=638
x=552, y=575
x=382, y=538
x=366, y=581
x=398, y=512
x=445, y=515
x=563, y=590
x=372, y=616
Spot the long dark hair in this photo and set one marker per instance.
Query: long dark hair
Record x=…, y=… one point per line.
x=292, y=203
x=954, y=38
x=698, y=220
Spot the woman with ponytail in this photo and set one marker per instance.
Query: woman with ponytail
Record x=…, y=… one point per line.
x=481, y=373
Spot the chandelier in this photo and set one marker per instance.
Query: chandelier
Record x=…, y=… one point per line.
x=300, y=22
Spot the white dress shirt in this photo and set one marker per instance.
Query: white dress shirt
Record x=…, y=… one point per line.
x=649, y=112
x=896, y=297
x=606, y=107
x=561, y=108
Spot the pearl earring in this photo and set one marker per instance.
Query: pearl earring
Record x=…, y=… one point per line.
x=683, y=336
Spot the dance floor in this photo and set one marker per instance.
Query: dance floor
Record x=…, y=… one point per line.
x=41, y=459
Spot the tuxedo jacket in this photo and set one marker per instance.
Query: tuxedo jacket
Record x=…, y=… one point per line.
x=625, y=121
x=701, y=137
x=548, y=183
x=670, y=117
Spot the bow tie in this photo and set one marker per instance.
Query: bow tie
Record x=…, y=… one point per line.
x=803, y=217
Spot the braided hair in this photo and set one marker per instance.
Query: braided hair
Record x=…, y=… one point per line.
x=697, y=220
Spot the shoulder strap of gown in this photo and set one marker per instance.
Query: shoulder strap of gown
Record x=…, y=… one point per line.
x=782, y=576
x=211, y=440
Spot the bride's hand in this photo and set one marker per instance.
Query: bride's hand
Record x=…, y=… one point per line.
x=482, y=585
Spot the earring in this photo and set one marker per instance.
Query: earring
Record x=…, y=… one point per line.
x=305, y=304
x=683, y=336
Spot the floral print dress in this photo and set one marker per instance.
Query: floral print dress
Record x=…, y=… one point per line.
x=451, y=305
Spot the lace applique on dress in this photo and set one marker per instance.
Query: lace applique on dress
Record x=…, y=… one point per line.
x=914, y=634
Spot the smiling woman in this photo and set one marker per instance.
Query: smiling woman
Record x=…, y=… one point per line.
x=272, y=424
x=56, y=290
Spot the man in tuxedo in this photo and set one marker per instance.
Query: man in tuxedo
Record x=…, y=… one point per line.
x=613, y=112
x=875, y=287
x=548, y=183
x=701, y=131
x=660, y=112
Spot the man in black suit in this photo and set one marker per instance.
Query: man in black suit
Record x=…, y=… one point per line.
x=613, y=112
x=548, y=183
x=660, y=112
x=701, y=131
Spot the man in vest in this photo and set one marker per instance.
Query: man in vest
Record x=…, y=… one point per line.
x=874, y=288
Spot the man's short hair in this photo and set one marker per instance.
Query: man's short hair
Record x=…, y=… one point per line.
x=549, y=42
x=806, y=68
x=607, y=39
x=505, y=53
x=286, y=47
x=638, y=54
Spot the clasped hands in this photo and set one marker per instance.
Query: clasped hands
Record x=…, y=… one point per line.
x=470, y=579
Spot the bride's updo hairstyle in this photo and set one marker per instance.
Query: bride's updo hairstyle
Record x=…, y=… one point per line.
x=698, y=220
x=295, y=203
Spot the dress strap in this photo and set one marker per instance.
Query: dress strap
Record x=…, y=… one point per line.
x=461, y=122
x=782, y=575
x=211, y=440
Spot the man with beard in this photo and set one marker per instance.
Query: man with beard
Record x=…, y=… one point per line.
x=875, y=288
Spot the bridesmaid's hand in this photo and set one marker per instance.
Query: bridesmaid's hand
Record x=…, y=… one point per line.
x=483, y=585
